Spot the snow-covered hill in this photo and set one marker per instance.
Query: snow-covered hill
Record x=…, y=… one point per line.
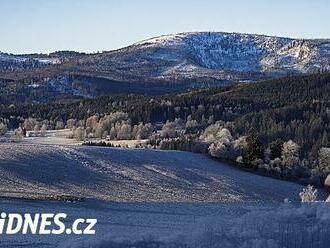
x=36, y=171
x=171, y=63
x=221, y=55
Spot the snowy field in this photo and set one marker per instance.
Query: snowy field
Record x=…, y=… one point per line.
x=178, y=225
x=126, y=175
x=149, y=198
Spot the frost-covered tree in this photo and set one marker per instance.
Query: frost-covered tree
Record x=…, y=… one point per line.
x=43, y=130
x=113, y=133
x=37, y=127
x=3, y=128
x=212, y=133
x=80, y=123
x=29, y=124
x=223, y=146
x=276, y=164
x=118, y=117
x=92, y=122
x=222, y=150
x=308, y=194
x=59, y=125
x=99, y=130
x=171, y=129
x=324, y=159
x=191, y=124
x=125, y=132
x=142, y=131
x=45, y=122
x=18, y=135
x=79, y=133
x=240, y=145
x=109, y=124
x=290, y=154
x=70, y=123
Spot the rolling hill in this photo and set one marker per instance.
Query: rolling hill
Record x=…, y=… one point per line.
x=130, y=175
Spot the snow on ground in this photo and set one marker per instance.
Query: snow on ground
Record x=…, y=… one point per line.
x=50, y=141
x=178, y=225
x=231, y=226
x=122, y=143
x=125, y=175
x=149, y=198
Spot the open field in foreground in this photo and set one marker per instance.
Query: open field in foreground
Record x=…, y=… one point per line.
x=149, y=198
x=178, y=225
x=130, y=175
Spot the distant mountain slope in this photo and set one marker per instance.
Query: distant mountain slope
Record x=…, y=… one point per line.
x=166, y=64
x=222, y=56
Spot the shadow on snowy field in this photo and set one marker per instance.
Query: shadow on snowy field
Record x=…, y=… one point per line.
x=287, y=225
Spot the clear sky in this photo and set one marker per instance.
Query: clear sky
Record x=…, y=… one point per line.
x=28, y=26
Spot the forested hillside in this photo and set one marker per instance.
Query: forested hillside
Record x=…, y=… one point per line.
x=292, y=107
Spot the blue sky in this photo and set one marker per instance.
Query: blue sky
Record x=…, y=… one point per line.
x=28, y=26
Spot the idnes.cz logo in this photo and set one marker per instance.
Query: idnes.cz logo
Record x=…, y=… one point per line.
x=44, y=223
